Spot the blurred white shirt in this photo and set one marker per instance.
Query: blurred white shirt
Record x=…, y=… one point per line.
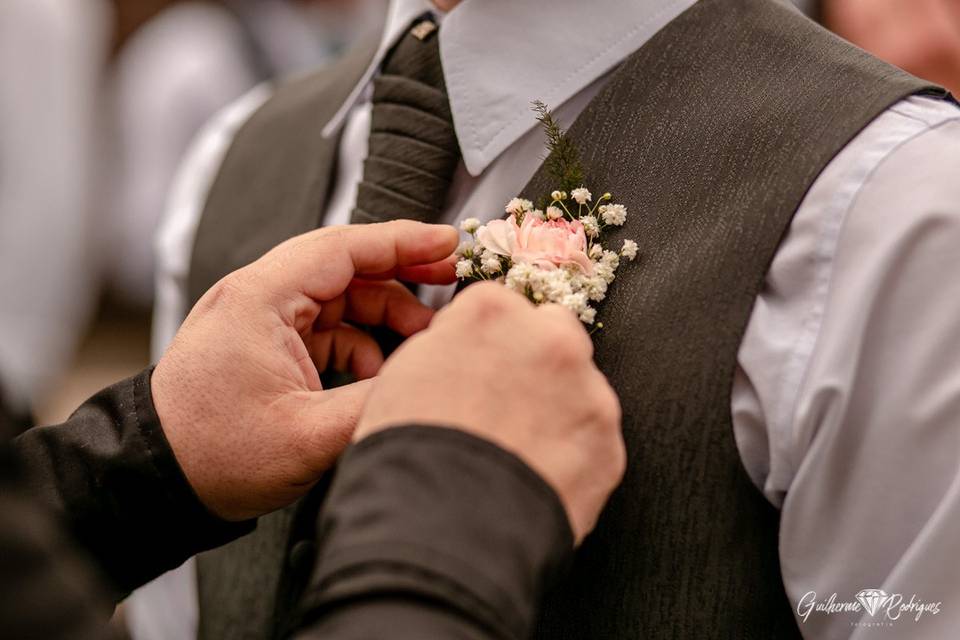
x=52, y=53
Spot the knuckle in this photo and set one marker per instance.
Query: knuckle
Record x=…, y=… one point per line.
x=443, y=316
x=609, y=407
x=485, y=299
x=226, y=291
x=487, y=293
x=612, y=398
x=397, y=224
x=564, y=321
x=562, y=346
x=329, y=237
x=618, y=462
x=605, y=413
x=611, y=447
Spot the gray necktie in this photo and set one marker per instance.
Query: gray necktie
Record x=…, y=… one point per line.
x=413, y=149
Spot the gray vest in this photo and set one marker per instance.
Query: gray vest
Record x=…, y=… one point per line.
x=711, y=134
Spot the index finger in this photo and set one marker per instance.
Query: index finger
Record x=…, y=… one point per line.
x=322, y=263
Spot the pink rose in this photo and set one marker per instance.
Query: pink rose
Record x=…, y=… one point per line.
x=545, y=243
x=499, y=236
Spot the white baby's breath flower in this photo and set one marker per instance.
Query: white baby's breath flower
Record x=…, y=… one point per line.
x=611, y=259
x=596, y=288
x=615, y=214
x=538, y=296
x=557, y=195
x=537, y=213
x=490, y=264
x=629, y=250
x=588, y=315
x=525, y=270
x=470, y=225
x=596, y=251
x=581, y=195
x=464, y=268
x=590, y=226
x=576, y=302
x=519, y=276
x=518, y=206
x=465, y=249
x=515, y=206
x=557, y=284
x=575, y=283
x=554, y=213
x=605, y=272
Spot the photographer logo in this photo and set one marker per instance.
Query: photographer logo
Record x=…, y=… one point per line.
x=872, y=599
x=883, y=609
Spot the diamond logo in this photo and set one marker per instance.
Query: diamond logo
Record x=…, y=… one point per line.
x=872, y=599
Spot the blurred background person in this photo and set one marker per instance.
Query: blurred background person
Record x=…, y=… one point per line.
x=101, y=98
x=52, y=57
x=183, y=64
x=921, y=36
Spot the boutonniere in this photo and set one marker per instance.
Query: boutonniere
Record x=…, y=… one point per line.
x=552, y=253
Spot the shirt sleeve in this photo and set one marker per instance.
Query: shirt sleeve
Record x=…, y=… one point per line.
x=434, y=533
x=49, y=587
x=109, y=476
x=869, y=446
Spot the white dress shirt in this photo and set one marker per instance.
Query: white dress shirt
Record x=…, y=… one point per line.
x=846, y=402
x=52, y=53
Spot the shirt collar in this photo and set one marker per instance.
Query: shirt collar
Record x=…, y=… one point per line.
x=500, y=55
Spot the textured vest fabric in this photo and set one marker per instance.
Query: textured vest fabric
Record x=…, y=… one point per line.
x=711, y=134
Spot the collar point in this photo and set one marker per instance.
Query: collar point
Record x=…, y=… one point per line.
x=475, y=161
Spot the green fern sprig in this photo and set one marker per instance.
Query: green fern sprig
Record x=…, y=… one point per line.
x=563, y=159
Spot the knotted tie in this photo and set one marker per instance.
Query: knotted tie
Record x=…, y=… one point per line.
x=413, y=149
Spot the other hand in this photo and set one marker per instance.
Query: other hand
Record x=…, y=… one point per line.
x=520, y=376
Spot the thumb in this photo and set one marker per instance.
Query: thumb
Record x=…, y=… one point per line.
x=327, y=421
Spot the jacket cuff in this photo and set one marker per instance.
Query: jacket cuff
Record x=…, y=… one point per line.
x=203, y=530
x=111, y=477
x=439, y=514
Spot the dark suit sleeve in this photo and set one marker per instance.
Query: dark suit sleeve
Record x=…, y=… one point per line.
x=433, y=533
x=48, y=587
x=110, y=479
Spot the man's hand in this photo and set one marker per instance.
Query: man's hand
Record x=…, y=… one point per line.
x=238, y=392
x=521, y=376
